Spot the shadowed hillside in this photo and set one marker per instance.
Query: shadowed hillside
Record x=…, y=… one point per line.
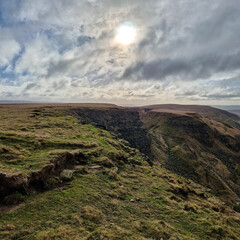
x=197, y=147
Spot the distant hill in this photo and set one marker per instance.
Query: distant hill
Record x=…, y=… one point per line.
x=14, y=101
x=198, y=142
x=206, y=111
x=228, y=108
x=236, y=112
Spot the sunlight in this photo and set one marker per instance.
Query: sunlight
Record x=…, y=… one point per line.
x=126, y=34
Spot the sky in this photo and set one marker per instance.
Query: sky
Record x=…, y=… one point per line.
x=129, y=52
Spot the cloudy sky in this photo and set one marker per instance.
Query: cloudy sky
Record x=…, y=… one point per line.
x=168, y=51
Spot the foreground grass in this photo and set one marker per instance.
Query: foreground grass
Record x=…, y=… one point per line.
x=136, y=203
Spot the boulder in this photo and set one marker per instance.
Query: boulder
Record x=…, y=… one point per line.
x=236, y=207
x=66, y=175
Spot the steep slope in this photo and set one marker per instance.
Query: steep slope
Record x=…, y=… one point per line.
x=197, y=147
x=113, y=194
x=125, y=123
x=191, y=144
x=188, y=143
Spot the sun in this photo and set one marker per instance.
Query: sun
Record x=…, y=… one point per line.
x=126, y=34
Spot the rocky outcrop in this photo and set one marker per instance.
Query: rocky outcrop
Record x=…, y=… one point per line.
x=10, y=183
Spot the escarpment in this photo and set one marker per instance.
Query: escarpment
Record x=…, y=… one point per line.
x=124, y=123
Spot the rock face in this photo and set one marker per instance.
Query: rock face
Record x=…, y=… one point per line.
x=125, y=123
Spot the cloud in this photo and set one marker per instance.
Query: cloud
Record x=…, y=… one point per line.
x=191, y=69
x=190, y=47
x=9, y=47
x=38, y=54
x=65, y=50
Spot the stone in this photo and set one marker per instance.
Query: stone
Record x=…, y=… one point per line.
x=95, y=168
x=66, y=175
x=236, y=207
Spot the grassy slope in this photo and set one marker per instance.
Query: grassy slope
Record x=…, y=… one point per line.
x=133, y=202
x=192, y=145
x=100, y=204
x=31, y=137
x=207, y=111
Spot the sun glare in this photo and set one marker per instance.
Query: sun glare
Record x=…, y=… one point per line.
x=126, y=34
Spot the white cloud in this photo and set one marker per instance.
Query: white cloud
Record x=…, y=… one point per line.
x=9, y=47
x=38, y=55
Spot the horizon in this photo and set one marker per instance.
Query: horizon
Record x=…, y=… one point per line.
x=14, y=102
x=121, y=52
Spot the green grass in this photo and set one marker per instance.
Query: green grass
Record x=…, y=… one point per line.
x=96, y=205
x=27, y=146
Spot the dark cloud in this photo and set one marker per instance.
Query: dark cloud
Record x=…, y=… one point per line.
x=30, y=86
x=184, y=68
x=189, y=48
x=59, y=85
x=83, y=39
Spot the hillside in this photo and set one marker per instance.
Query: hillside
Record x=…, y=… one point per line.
x=198, y=148
x=190, y=144
x=211, y=112
x=116, y=191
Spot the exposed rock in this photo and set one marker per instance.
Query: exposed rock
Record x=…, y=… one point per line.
x=236, y=207
x=38, y=180
x=66, y=175
x=95, y=168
